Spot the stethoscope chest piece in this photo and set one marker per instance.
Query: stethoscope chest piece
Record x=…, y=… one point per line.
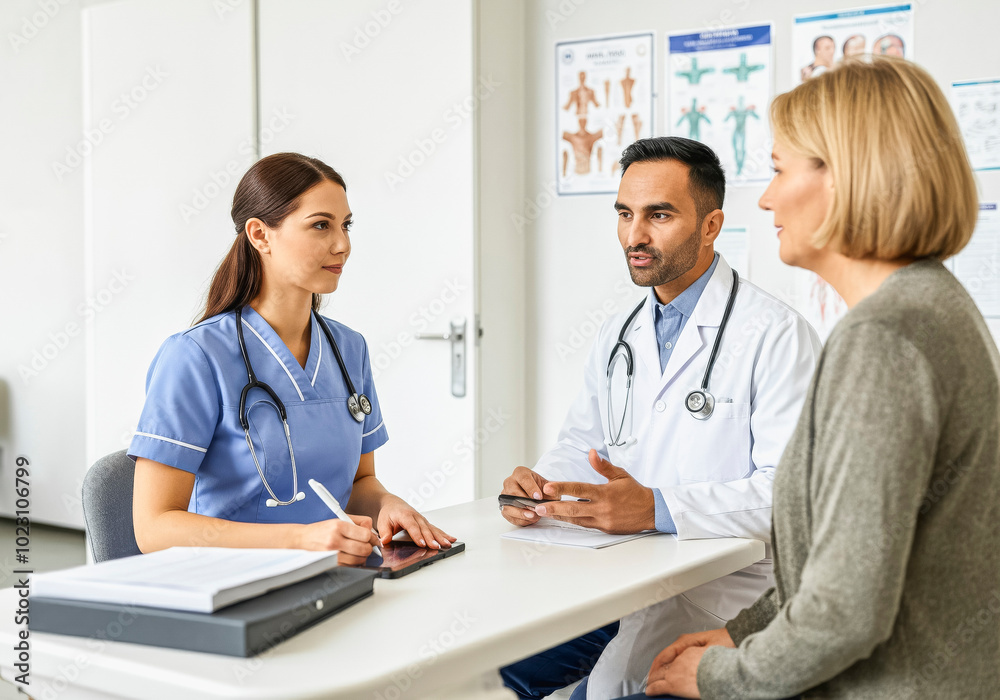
x=359, y=406
x=700, y=404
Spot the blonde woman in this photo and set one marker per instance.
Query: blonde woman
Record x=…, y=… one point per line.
x=886, y=501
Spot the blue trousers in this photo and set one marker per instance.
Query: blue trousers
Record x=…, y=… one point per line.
x=544, y=673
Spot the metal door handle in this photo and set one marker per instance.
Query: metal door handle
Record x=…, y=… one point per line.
x=457, y=337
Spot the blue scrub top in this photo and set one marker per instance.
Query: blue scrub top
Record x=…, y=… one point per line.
x=191, y=417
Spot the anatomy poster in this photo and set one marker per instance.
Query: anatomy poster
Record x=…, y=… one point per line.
x=978, y=265
x=733, y=244
x=604, y=96
x=977, y=107
x=820, y=40
x=818, y=302
x=720, y=85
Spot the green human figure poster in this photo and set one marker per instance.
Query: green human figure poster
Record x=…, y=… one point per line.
x=719, y=86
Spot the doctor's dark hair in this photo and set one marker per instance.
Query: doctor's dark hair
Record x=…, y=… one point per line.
x=269, y=191
x=706, y=178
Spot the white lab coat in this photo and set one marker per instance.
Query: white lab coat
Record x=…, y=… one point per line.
x=715, y=475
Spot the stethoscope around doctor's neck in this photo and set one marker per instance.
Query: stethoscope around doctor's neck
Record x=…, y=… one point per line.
x=358, y=405
x=699, y=403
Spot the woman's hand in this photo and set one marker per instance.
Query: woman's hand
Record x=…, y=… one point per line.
x=396, y=515
x=675, y=669
x=354, y=541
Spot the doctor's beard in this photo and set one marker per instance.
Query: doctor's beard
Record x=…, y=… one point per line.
x=666, y=267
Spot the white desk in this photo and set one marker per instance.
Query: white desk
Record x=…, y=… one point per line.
x=441, y=632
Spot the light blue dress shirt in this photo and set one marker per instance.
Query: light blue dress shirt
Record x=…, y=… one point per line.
x=669, y=320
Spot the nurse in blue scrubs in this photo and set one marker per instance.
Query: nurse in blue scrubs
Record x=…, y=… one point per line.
x=197, y=480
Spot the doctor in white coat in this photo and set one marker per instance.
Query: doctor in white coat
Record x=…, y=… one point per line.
x=643, y=459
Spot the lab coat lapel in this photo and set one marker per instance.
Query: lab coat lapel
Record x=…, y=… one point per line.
x=697, y=333
x=642, y=338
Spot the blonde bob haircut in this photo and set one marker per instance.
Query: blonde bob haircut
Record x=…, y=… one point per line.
x=903, y=186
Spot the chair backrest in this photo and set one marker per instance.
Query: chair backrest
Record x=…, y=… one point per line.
x=107, y=507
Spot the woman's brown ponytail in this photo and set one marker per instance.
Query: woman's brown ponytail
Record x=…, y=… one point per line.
x=269, y=191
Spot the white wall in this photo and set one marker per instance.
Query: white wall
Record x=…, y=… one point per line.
x=41, y=247
x=574, y=260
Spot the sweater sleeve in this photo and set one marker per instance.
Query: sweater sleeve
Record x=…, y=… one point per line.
x=875, y=426
x=755, y=618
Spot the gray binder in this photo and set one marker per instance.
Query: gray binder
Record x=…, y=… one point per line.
x=243, y=629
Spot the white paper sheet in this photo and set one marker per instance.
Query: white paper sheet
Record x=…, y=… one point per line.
x=549, y=531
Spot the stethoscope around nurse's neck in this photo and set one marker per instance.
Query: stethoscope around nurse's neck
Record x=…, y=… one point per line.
x=700, y=403
x=358, y=405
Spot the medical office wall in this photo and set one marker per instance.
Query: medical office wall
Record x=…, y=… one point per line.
x=577, y=273
x=129, y=125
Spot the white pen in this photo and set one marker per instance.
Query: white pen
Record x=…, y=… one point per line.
x=332, y=504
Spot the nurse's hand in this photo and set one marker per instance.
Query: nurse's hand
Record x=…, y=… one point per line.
x=354, y=541
x=527, y=483
x=621, y=506
x=397, y=515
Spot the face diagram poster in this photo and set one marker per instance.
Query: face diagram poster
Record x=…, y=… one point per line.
x=819, y=41
x=977, y=108
x=719, y=90
x=604, y=96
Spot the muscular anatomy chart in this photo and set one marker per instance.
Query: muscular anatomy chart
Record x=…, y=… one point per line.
x=694, y=118
x=739, y=115
x=719, y=84
x=604, y=102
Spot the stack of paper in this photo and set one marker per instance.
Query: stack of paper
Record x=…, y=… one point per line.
x=199, y=579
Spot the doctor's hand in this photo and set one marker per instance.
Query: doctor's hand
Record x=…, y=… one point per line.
x=675, y=669
x=621, y=506
x=396, y=515
x=353, y=541
x=523, y=482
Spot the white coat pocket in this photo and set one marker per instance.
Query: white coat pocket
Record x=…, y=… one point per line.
x=719, y=448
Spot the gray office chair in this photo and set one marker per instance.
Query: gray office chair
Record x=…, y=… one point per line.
x=107, y=507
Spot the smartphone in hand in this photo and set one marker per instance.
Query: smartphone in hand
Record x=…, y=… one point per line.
x=506, y=499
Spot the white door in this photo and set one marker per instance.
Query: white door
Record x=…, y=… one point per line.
x=384, y=93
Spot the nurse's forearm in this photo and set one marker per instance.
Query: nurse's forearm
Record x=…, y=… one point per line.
x=181, y=528
x=368, y=495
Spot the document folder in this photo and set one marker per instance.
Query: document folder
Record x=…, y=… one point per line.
x=243, y=629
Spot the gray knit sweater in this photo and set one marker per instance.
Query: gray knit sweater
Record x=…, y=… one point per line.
x=886, y=522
